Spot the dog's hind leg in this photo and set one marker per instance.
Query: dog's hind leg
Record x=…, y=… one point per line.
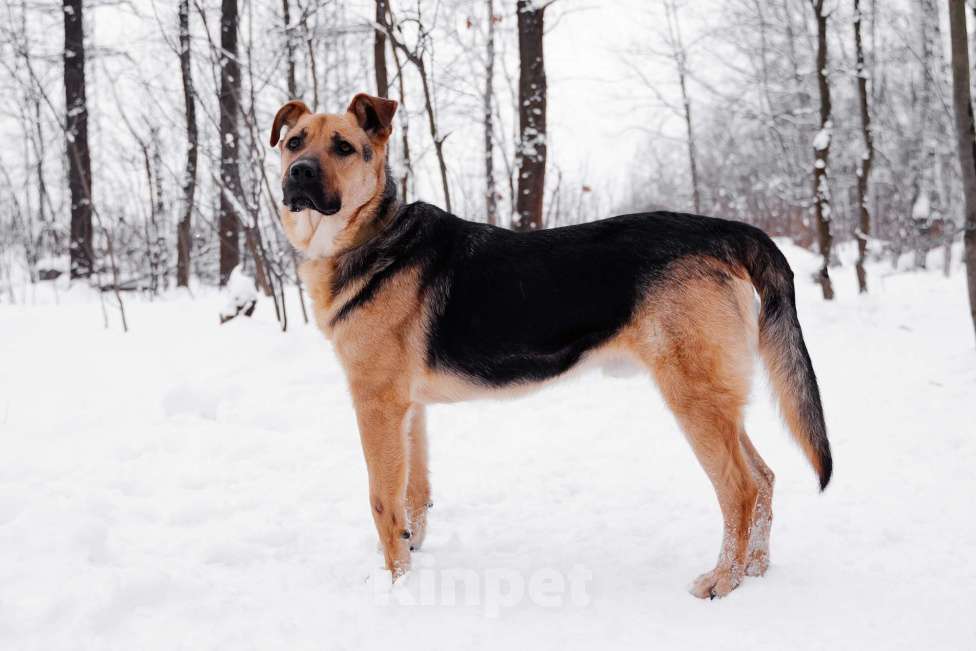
x=701, y=356
x=418, y=484
x=762, y=519
x=713, y=435
x=710, y=412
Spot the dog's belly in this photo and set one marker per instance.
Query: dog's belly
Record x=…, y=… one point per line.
x=440, y=386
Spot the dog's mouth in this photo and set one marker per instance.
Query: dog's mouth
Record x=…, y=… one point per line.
x=301, y=202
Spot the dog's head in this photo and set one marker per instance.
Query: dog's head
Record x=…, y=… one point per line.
x=332, y=165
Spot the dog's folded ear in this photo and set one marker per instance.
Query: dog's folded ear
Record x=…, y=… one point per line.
x=287, y=116
x=374, y=114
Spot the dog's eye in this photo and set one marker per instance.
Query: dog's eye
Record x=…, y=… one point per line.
x=294, y=143
x=343, y=148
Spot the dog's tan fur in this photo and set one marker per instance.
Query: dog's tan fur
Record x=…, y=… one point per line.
x=697, y=337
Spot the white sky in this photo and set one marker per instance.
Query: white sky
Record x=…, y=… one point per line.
x=599, y=113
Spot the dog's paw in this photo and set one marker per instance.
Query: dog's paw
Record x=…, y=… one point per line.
x=717, y=583
x=418, y=527
x=417, y=536
x=758, y=563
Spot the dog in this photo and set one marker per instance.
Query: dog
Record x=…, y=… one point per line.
x=424, y=307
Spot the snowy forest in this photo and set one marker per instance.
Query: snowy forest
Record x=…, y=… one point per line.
x=182, y=457
x=136, y=131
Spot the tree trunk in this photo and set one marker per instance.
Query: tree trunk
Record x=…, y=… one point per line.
x=404, y=121
x=379, y=51
x=289, y=49
x=43, y=199
x=184, y=235
x=76, y=136
x=434, y=133
x=966, y=137
x=821, y=147
x=491, y=194
x=416, y=58
x=312, y=65
x=927, y=204
x=867, y=158
x=532, y=117
x=230, y=92
x=158, y=267
x=681, y=62
x=692, y=162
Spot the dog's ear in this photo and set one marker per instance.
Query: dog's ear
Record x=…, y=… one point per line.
x=287, y=115
x=374, y=114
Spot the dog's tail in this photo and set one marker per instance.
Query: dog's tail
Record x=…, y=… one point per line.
x=785, y=354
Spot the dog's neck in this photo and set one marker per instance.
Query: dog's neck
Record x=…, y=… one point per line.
x=374, y=217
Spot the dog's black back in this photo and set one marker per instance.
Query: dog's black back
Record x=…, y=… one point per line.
x=509, y=307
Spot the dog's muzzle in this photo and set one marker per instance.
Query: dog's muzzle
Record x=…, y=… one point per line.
x=304, y=188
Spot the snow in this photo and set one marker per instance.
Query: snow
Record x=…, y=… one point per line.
x=822, y=140
x=921, y=209
x=240, y=293
x=190, y=485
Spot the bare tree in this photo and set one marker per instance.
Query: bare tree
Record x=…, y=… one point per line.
x=230, y=181
x=379, y=50
x=404, y=126
x=48, y=234
x=310, y=48
x=680, y=56
x=184, y=233
x=289, y=49
x=250, y=201
x=532, y=146
x=863, y=229
x=76, y=137
x=821, y=147
x=491, y=193
x=965, y=136
x=927, y=204
x=415, y=56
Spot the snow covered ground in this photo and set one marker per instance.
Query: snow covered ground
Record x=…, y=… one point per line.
x=190, y=485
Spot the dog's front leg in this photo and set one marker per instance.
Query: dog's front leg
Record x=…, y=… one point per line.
x=383, y=420
x=418, y=484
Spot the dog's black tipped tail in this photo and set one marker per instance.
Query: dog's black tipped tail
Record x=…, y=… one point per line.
x=785, y=354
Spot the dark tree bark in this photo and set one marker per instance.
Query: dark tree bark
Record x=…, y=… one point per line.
x=821, y=148
x=532, y=93
x=76, y=137
x=184, y=235
x=491, y=193
x=289, y=49
x=867, y=158
x=379, y=50
x=230, y=180
x=966, y=136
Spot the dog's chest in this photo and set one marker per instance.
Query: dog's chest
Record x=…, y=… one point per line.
x=317, y=275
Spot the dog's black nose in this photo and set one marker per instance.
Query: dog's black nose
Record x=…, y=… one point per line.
x=303, y=170
x=304, y=187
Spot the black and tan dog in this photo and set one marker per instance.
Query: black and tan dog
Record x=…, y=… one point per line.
x=424, y=307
